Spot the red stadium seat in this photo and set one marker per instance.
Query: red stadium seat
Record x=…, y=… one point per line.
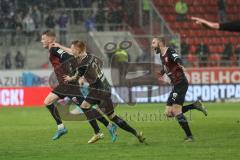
x=214, y=60
x=192, y=59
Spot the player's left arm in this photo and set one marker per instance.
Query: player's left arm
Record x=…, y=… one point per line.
x=174, y=56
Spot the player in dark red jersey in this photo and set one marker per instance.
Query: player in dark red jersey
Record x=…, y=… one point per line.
x=172, y=67
x=57, y=58
x=89, y=68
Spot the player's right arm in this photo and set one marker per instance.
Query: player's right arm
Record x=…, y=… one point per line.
x=66, y=49
x=70, y=78
x=233, y=26
x=230, y=26
x=206, y=23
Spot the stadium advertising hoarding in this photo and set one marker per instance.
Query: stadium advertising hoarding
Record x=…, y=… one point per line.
x=26, y=96
x=29, y=88
x=18, y=78
x=219, y=75
x=34, y=96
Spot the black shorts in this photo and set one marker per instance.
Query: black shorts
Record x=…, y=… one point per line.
x=178, y=93
x=100, y=94
x=68, y=91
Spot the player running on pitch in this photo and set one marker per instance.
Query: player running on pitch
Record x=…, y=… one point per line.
x=57, y=57
x=172, y=66
x=89, y=68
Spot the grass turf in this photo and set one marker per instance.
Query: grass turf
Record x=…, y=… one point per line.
x=25, y=133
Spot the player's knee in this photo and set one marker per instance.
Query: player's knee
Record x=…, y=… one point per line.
x=111, y=115
x=47, y=102
x=50, y=99
x=169, y=114
x=85, y=105
x=177, y=109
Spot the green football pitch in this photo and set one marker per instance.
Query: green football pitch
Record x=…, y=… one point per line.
x=25, y=133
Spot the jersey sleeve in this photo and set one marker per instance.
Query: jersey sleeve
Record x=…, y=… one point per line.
x=61, y=54
x=65, y=56
x=54, y=52
x=233, y=26
x=174, y=56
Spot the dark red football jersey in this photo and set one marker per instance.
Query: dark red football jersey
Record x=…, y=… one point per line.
x=57, y=58
x=171, y=67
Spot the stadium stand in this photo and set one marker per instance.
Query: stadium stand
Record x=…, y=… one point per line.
x=99, y=15
x=194, y=34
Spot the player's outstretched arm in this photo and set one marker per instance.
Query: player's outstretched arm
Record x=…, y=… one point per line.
x=206, y=23
x=66, y=49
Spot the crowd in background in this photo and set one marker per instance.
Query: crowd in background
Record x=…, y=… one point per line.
x=25, y=20
x=18, y=62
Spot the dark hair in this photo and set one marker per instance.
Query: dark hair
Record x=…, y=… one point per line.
x=49, y=33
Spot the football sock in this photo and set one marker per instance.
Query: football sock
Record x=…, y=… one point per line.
x=54, y=112
x=188, y=107
x=103, y=120
x=123, y=124
x=92, y=119
x=94, y=114
x=95, y=126
x=184, y=124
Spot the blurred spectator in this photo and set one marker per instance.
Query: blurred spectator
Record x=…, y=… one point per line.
x=94, y=8
x=19, y=29
x=131, y=14
x=181, y=9
x=63, y=23
x=146, y=11
x=1, y=28
x=78, y=17
x=8, y=60
x=237, y=50
x=174, y=43
x=28, y=27
x=227, y=53
x=86, y=4
x=202, y=51
x=52, y=4
x=89, y=24
x=37, y=17
x=222, y=10
x=228, y=48
x=184, y=48
x=237, y=53
x=50, y=21
x=120, y=61
x=19, y=60
x=5, y=6
x=11, y=24
x=100, y=19
x=115, y=18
